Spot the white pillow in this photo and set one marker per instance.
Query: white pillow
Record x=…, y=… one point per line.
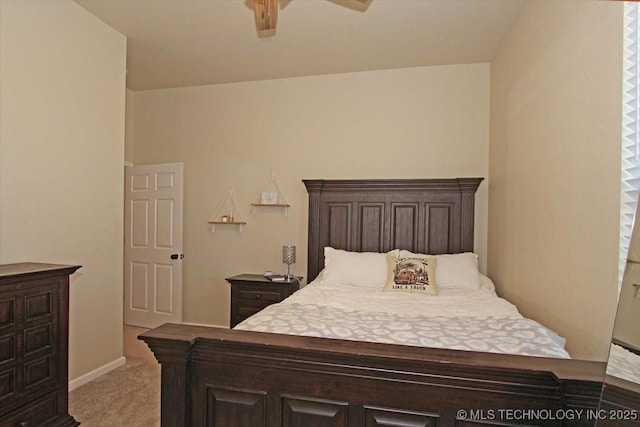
x=486, y=283
x=367, y=269
x=455, y=271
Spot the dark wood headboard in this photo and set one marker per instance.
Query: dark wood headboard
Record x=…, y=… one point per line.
x=432, y=216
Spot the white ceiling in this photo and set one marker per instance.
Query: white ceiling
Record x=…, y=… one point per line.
x=177, y=43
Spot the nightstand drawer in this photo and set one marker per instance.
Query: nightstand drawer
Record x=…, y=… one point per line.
x=250, y=293
x=258, y=297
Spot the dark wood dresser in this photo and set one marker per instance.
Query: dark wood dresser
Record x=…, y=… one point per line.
x=34, y=320
x=250, y=293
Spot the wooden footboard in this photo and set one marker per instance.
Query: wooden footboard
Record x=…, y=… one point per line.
x=225, y=378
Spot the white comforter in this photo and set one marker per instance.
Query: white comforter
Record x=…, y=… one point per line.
x=624, y=364
x=474, y=320
x=448, y=303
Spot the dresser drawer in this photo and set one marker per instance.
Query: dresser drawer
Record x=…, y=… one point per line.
x=36, y=413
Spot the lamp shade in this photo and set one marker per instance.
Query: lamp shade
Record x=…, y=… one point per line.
x=288, y=254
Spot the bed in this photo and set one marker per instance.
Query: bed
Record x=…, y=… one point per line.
x=624, y=363
x=334, y=374
x=462, y=316
x=621, y=390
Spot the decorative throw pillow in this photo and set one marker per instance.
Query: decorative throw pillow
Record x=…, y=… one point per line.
x=412, y=274
x=366, y=269
x=455, y=271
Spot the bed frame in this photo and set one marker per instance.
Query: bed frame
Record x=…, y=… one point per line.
x=620, y=398
x=226, y=378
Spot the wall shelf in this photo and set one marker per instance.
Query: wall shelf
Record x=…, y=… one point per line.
x=227, y=222
x=271, y=197
x=227, y=214
x=271, y=205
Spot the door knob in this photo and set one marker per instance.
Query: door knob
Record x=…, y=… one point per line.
x=177, y=256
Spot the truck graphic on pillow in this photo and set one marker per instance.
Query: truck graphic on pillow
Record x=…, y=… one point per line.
x=411, y=271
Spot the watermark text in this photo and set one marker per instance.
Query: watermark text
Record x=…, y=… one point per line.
x=512, y=414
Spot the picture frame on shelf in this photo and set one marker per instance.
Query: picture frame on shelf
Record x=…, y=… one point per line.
x=269, y=198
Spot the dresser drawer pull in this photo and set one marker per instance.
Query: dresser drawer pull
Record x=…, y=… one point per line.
x=258, y=296
x=23, y=424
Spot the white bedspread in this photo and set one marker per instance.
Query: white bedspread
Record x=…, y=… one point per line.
x=623, y=364
x=448, y=303
x=475, y=320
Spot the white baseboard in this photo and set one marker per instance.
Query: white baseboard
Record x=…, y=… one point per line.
x=89, y=376
x=83, y=379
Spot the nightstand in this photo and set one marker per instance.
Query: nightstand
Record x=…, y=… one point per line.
x=250, y=293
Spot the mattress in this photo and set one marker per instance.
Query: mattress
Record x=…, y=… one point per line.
x=468, y=319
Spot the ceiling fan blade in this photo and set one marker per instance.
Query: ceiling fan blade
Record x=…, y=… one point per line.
x=266, y=14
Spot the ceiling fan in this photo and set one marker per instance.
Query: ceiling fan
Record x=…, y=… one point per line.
x=266, y=13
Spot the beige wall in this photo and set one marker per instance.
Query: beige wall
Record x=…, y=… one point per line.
x=128, y=130
x=555, y=168
x=332, y=126
x=62, y=101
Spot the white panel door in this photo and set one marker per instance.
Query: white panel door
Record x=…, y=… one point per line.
x=153, y=245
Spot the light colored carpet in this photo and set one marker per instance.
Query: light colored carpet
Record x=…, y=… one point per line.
x=126, y=396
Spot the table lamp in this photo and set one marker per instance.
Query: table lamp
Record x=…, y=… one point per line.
x=289, y=257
